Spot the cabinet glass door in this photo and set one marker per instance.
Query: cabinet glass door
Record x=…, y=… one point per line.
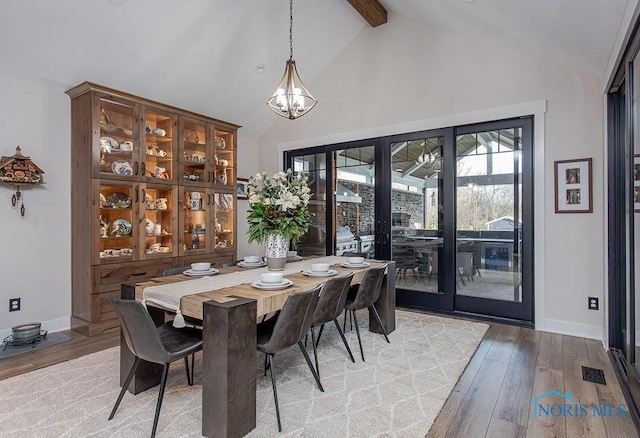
x=195, y=156
x=116, y=144
x=195, y=206
x=159, y=145
x=224, y=221
x=115, y=232
x=224, y=144
x=159, y=221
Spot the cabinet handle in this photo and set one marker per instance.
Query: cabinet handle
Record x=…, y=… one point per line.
x=208, y=199
x=144, y=168
x=137, y=274
x=208, y=176
x=144, y=194
x=136, y=192
x=136, y=166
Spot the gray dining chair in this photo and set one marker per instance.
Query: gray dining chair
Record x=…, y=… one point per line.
x=162, y=345
x=285, y=329
x=368, y=293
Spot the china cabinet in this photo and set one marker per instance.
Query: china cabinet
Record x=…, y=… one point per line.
x=153, y=187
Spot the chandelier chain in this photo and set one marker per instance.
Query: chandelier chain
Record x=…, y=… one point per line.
x=290, y=29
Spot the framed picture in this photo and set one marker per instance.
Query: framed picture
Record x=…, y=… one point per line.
x=242, y=188
x=574, y=186
x=636, y=183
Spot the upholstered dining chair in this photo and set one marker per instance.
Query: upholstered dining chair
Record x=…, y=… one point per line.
x=368, y=293
x=162, y=345
x=287, y=328
x=333, y=297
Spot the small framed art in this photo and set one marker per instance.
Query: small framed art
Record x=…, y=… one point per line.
x=574, y=186
x=242, y=188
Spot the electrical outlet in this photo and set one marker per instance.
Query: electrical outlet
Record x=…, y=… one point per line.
x=593, y=303
x=14, y=304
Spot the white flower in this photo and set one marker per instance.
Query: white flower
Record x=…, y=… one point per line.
x=254, y=199
x=286, y=201
x=295, y=200
x=258, y=177
x=267, y=201
x=306, y=189
x=281, y=176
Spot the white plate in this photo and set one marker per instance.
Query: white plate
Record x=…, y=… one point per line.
x=112, y=142
x=251, y=265
x=122, y=168
x=329, y=273
x=294, y=259
x=272, y=286
x=191, y=272
x=354, y=265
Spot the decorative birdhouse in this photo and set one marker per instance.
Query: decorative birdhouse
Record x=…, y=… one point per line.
x=19, y=171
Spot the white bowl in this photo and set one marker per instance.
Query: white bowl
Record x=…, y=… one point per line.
x=200, y=266
x=252, y=259
x=320, y=267
x=272, y=277
x=356, y=260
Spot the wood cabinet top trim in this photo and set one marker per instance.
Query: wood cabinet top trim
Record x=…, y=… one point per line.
x=86, y=87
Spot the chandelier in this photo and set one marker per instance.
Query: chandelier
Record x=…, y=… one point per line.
x=291, y=98
x=426, y=158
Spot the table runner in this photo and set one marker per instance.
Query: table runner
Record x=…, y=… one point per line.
x=168, y=295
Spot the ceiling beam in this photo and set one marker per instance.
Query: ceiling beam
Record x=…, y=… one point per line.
x=371, y=10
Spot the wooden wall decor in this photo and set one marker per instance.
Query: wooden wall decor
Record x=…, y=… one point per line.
x=19, y=171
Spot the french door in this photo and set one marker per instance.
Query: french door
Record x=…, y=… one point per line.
x=452, y=207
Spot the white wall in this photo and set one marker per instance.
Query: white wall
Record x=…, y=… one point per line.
x=35, y=255
x=407, y=71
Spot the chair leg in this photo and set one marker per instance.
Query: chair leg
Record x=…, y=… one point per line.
x=163, y=383
x=313, y=371
x=344, y=340
x=344, y=323
x=186, y=367
x=315, y=351
x=377, y=315
x=132, y=373
x=275, y=391
x=358, y=333
x=266, y=364
x=319, y=334
x=193, y=366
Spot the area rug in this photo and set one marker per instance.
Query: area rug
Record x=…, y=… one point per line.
x=51, y=339
x=397, y=392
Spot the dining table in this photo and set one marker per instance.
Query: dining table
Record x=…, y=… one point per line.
x=228, y=316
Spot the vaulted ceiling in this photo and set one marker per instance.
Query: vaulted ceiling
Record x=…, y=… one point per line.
x=203, y=55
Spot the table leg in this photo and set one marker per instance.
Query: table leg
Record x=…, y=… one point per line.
x=386, y=304
x=229, y=368
x=148, y=374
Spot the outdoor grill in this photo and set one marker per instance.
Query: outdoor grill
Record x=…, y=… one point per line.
x=345, y=241
x=366, y=244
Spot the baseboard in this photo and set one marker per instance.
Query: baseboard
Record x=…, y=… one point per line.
x=588, y=331
x=53, y=325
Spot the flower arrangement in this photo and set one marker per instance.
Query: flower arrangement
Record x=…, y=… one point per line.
x=278, y=205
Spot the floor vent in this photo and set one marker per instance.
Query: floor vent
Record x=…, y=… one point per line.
x=593, y=375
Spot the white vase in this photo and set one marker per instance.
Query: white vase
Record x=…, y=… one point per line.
x=276, y=247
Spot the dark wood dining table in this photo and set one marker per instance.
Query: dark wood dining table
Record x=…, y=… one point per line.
x=229, y=353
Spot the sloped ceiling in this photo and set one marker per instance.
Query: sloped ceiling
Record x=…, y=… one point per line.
x=202, y=54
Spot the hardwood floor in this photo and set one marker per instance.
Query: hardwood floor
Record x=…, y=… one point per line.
x=514, y=365
x=493, y=397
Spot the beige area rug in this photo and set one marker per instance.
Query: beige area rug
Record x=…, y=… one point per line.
x=397, y=392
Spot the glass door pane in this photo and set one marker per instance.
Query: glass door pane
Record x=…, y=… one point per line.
x=117, y=222
x=417, y=224
x=489, y=214
x=224, y=221
x=158, y=212
x=314, y=242
x=158, y=139
x=354, y=208
x=195, y=208
x=117, y=148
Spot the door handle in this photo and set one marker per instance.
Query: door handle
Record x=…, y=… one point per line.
x=386, y=236
x=136, y=192
x=136, y=166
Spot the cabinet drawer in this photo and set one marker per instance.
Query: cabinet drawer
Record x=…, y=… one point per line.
x=109, y=277
x=101, y=308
